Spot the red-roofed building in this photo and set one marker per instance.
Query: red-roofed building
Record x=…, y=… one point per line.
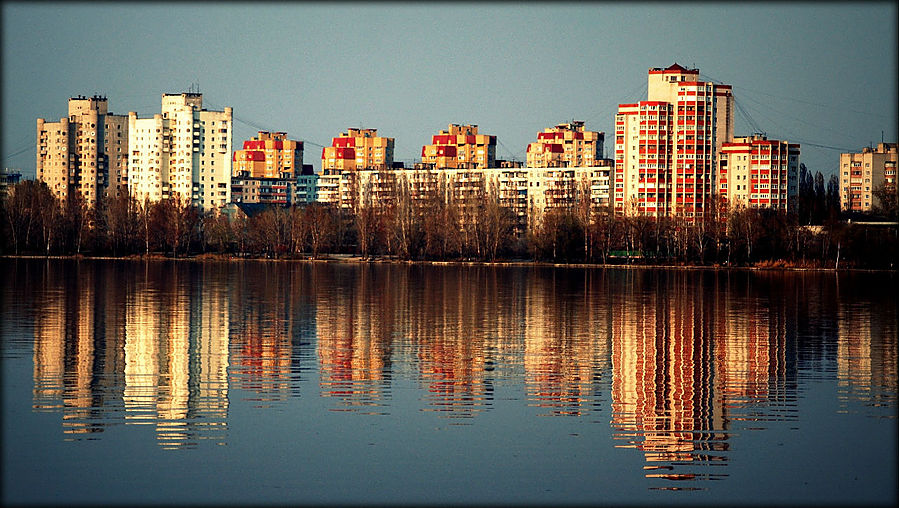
x=757, y=172
x=357, y=149
x=469, y=150
x=269, y=155
x=566, y=145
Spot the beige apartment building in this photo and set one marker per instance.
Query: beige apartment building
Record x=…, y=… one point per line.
x=358, y=149
x=86, y=152
x=459, y=147
x=566, y=145
x=666, y=146
x=184, y=151
x=269, y=155
x=862, y=173
x=757, y=172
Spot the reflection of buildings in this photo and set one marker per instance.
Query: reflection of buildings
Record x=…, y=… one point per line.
x=662, y=396
x=866, y=363
x=566, y=342
x=267, y=317
x=139, y=352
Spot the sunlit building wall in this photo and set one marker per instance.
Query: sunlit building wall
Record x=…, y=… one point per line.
x=85, y=152
x=357, y=149
x=185, y=151
x=862, y=173
x=666, y=146
x=566, y=145
x=756, y=172
x=459, y=147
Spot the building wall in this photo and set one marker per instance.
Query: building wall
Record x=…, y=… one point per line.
x=185, y=151
x=528, y=192
x=358, y=149
x=460, y=147
x=756, y=172
x=565, y=145
x=861, y=173
x=666, y=147
x=84, y=152
x=269, y=155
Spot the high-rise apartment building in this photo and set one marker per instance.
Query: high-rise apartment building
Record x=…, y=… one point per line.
x=460, y=147
x=862, y=173
x=269, y=155
x=358, y=149
x=566, y=145
x=184, y=151
x=86, y=152
x=666, y=146
x=757, y=172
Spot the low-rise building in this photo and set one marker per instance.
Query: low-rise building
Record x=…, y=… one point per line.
x=863, y=172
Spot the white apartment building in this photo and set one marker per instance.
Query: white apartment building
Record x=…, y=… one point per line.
x=184, y=151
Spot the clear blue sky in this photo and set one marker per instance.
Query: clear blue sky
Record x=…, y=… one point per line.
x=819, y=74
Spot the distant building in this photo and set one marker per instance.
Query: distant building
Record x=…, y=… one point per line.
x=861, y=173
x=459, y=147
x=269, y=155
x=85, y=152
x=757, y=172
x=8, y=177
x=358, y=149
x=566, y=145
x=184, y=151
x=666, y=146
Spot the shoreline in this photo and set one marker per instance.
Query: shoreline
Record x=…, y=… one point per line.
x=354, y=259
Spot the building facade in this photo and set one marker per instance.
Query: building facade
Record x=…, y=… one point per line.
x=459, y=147
x=86, y=152
x=185, y=151
x=666, y=146
x=757, y=172
x=269, y=155
x=358, y=149
x=861, y=173
x=566, y=145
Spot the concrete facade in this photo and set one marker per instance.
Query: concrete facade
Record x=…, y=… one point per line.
x=666, y=146
x=358, y=149
x=185, y=151
x=861, y=173
x=269, y=155
x=86, y=152
x=459, y=147
x=566, y=145
x=756, y=172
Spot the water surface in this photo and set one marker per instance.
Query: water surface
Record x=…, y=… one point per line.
x=267, y=382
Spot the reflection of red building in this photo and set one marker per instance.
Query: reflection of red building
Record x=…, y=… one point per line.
x=662, y=400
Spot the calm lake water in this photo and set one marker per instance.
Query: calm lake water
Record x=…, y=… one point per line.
x=265, y=382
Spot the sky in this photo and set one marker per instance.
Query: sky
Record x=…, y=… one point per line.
x=820, y=74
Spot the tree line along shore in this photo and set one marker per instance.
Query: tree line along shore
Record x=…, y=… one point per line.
x=816, y=235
